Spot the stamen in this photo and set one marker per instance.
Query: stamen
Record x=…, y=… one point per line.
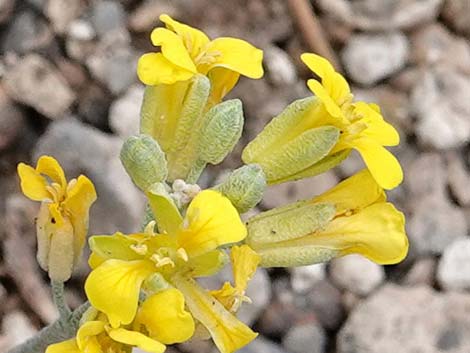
x=181, y=253
x=149, y=228
x=140, y=249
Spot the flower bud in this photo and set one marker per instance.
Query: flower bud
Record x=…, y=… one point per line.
x=244, y=187
x=144, y=161
x=295, y=144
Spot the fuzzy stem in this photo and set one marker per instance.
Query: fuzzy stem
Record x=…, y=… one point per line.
x=59, y=299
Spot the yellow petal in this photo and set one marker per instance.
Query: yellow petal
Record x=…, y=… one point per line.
x=353, y=193
x=193, y=39
x=136, y=339
x=33, y=185
x=229, y=334
x=323, y=95
x=173, y=48
x=114, y=286
x=222, y=82
x=154, y=69
x=226, y=295
x=207, y=264
x=211, y=221
x=79, y=199
x=95, y=260
x=377, y=128
x=236, y=55
x=87, y=330
x=69, y=346
x=382, y=164
x=244, y=262
x=165, y=318
x=377, y=232
x=47, y=165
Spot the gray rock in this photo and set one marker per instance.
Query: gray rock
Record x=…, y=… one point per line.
x=453, y=271
x=113, y=61
x=305, y=277
x=84, y=150
x=442, y=91
x=107, y=15
x=426, y=175
x=94, y=104
x=62, y=12
x=382, y=14
x=258, y=290
x=422, y=272
x=27, y=32
x=369, y=58
x=305, y=338
x=411, y=319
x=434, y=224
x=144, y=17
x=17, y=328
x=6, y=8
x=280, y=68
x=79, y=41
x=457, y=14
x=262, y=345
x=326, y=302
x=356, y=274
x=124, y=113
x=35, y=82
x=459, y=179
x=12, y=122
x=435, y=44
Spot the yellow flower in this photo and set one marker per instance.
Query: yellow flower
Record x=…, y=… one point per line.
x=244, y=263
x=62, y=223
x=353, y=217
x=362, y=125
x=161, y=320
x=186, y=51
x=125, y=264
x=314, y=134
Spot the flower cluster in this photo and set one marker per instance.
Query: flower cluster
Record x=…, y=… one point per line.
x=143, y=287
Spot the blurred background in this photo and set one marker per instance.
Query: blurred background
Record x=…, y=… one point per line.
x=68, y=88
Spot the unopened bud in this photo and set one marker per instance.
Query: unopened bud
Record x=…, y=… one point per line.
x=244, y=187
x=144, y=161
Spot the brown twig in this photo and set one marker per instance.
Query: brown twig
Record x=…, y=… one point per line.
x=312, y=31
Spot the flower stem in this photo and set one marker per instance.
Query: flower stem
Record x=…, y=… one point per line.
x=59, y=299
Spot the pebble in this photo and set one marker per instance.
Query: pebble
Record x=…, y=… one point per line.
x=107, y=15
x=124, y=113
x=442, y=91
x=304, y=338
x=12, y=122
x=262, y=345
x=369, y=58
x=377, y=15
x=305, y=277
x=94, y=104
x=457, y=14
x=415, y=319
x=62, y=12
x=35, y=82
x=279, y=66
x=326, y=302
x=27, y=32
x=145, y=17
x=113, y=61
x=459, y=179
x=453, y=271
x=422, y=272
x=434, y=224
x=426, y=175
x=120, y=205
x=17, y=328
x=6, y=8
x=356, y=274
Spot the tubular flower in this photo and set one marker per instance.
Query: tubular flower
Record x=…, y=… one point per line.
x=186, y=51
x=316, y=133
x=126, y=264
x=62, y=223
x=353, y=217
x=161, y=320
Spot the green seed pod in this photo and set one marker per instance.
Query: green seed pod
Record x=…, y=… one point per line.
x=244, y=187
x=296, y=144
x=288, y=222
x=144, y=161
x=223, y=125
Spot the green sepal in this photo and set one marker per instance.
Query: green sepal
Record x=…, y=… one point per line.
x=292, y=256
x=164, y=209
x=144, y=161
x=244, y=187
x=288, y=222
